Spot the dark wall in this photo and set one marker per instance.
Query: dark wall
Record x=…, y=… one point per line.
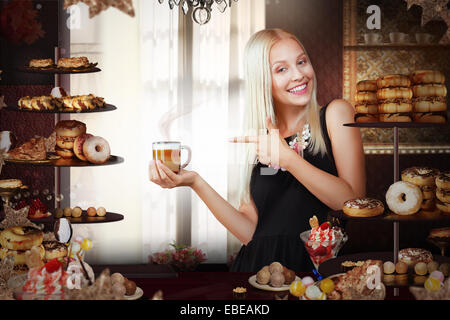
x=15, y=52
x=318, y=25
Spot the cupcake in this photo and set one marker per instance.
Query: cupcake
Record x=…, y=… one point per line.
x=239, y=293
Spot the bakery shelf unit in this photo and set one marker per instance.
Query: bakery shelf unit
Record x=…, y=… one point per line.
x=388, y=216
x=59, y=163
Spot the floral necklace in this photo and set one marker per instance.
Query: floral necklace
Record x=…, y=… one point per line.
x=300, y=142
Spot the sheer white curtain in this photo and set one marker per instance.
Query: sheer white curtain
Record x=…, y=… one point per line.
x=144, y=72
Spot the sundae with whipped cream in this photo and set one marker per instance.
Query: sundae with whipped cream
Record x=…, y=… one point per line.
x=322, y=242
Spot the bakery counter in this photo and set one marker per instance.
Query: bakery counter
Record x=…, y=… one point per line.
x=220, y=285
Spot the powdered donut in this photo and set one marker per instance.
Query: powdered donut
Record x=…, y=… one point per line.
x=404, y=198
x=96, y=150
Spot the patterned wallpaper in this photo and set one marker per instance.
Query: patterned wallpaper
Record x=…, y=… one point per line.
x=372, y=62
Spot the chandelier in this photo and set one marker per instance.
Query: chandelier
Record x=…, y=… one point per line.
x=201, y=9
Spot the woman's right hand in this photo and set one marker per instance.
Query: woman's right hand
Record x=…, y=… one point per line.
x=167, y=179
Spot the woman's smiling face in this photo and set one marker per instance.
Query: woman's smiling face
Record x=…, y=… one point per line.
x=292, y=74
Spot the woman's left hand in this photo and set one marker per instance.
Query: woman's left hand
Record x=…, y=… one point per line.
x=271, y=149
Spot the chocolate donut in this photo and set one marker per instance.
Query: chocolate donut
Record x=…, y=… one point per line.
x=363, y=207
x=411, y=256
x=420, y=176
x=443, y=180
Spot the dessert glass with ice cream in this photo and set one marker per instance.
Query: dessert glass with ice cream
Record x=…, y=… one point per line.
x=323, y=242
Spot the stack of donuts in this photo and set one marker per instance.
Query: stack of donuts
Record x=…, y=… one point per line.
x=429, y=96
x=366, y=101
x=16, y=241
x=424, y=178
x=443, y=192
x=394, y=96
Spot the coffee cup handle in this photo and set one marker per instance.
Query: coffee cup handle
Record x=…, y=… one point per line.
x=189, y=156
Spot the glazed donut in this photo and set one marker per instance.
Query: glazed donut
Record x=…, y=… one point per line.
x=19, y=255
x=54, y=249
x=367, y=85
x=21, y=238
x=78, y=145
x=443, y=180
x=96, y=150
x=411, y=256
x=443, y=206
x=404, y=198
x=394, y=107
x=440, y=233
x=67, y=131
x=366, y=97
x=428, y=192
x=427, y=90
x=420, y=176
x=427, y=76
x=363, y=207
x=367, y=108
x=394, y=93
x=393, y=80
x=443, y=195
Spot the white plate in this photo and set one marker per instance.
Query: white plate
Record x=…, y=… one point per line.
x=285, y=287
x=139, y=293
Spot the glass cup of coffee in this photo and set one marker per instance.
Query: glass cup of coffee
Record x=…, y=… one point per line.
x=169, y=153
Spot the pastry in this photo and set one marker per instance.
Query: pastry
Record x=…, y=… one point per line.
x=404, y=198
x=421, y=268
x=96, y=150
x=401, y=267
x=21, y=238
x=366, y=101
x=73, y=63
x=263, y=277
x=41, y=63
x=440, y=233
x=19, y=255
x=10, y=183
x=420, y=176
x=54, y=249
x=365, y=117
x=349, y=265
x=91, y=212
x=289, y=276
x=393, y=80
x=443, y=181
x=411, y=256
x=427, y=76
x=363, y=207
x=366, y=97
x=443, y=206
x=275, y=267
x=101, y=212
x=34, y=149
x=67, y=131
x=388, y=267
x=239, y=293
x=394, y=98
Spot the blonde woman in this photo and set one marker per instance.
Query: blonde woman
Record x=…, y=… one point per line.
x=305, y=162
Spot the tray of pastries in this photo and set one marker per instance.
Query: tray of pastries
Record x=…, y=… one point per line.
x=62, y=66
x=91, y=215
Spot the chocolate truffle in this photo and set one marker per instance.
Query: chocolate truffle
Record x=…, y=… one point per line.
x=276, y=279
x=67, y=212
x=432, y=266
x=275, y=267
x=263, y=276
x=101, y=212
x=118, y=289
x=289, y=276
x=76, y=212
x=130, y=287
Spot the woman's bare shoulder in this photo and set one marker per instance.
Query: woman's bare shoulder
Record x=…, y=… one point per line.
x=339, y=110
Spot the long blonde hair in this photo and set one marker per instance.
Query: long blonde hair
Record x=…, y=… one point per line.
x=259, y=101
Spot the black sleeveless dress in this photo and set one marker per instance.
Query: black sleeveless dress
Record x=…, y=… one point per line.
x=284, y=208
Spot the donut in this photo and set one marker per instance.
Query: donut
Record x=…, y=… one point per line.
x=366, y=97
x=427, y=90
x=21, y=238
x=427, y=76
x=54, y=249
x=367, y=85
x=10, y=183
x=78, y=145
x=395, y=117
x=443, y=180
x=428, y=192
x=412, y=256
x=19, y=255
x=443, y=206
x=67, y=131
x=367, y=108
x=427, y=204
x=393, y=80
x=96, y=150
x=440, y=233
x=365, y=117
x=431, y=117
x=429, y=104
x=394, y=93
x=394, y=107
x=443, y=195
x=64, y=153
x=363, y=207
x=404, y=198
x=420, y=176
